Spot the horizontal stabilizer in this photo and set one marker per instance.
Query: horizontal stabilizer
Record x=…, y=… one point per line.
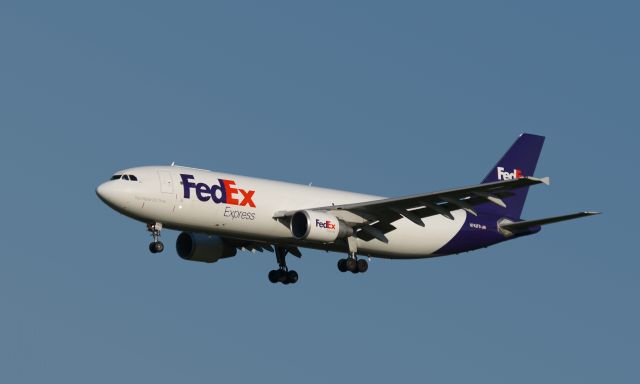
x=521, y=225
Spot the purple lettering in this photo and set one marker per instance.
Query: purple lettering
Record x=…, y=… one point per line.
x=219, y=193
x=202, y=191
x=186, y=185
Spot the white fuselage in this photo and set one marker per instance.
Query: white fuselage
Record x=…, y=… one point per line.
x=159, y=195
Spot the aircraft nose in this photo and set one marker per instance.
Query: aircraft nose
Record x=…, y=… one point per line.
x=111, y=195
x=100, y=191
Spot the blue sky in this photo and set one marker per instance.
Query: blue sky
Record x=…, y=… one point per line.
x=389, y=98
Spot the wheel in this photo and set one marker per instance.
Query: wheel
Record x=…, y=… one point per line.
x=342, y=265
x=292, y=277
x=282, y=276
x=157, y=247
x=352, y=265
x=273, y=276
x=362, y=266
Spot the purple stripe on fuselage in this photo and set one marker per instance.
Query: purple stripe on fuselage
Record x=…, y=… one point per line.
x=478, y=232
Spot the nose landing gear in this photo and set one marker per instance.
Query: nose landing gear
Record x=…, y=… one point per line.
x=156, y=246
x=282, y=274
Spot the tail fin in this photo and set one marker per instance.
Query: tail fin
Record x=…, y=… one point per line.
x=519, y=161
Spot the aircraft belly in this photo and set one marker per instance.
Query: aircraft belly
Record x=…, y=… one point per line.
x=413, y=241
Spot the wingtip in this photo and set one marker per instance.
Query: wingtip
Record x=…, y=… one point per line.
x=544, y=180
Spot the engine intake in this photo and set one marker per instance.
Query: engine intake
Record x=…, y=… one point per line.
x=203, y=248
x=318, y=226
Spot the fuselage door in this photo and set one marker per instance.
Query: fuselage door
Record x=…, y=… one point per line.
x=166, y=184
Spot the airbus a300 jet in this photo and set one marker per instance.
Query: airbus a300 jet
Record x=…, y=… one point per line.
x=220, y=213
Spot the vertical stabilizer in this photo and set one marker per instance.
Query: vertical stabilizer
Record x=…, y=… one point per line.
x=519, y=161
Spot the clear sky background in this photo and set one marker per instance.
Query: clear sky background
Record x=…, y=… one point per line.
x=389, y=98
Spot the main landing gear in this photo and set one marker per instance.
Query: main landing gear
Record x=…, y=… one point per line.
x=352, y=263
x=282, y=274
x=156, y=246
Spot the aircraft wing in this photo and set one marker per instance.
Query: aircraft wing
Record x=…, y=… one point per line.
x=514, y=227
x=374, y=218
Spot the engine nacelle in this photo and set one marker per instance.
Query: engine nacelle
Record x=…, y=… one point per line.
x=204, y=248
x=318, y=226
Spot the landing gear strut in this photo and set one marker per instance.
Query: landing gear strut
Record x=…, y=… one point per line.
x=282, y=274
x=156, y=246
x=352, y=263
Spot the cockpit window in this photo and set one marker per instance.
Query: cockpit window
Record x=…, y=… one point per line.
x=124, y=177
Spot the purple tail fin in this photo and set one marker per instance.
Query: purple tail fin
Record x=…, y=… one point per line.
x=519, y=161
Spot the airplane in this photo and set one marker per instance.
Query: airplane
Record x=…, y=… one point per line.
x=220, y=213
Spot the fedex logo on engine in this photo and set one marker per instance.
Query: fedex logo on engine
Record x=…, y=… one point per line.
x=325, y=224
x=224, y=192
x=505, y=175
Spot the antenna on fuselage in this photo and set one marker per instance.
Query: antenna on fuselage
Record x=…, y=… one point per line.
x=173, y=163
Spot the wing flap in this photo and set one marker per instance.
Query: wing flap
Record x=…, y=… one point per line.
x=375, y=231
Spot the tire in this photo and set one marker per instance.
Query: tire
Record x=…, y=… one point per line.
x=342, y=265
x=352, y=265
x=362, y=266
x=159, y=246
x=156, y=247
x=292, y=277
x=273, y=276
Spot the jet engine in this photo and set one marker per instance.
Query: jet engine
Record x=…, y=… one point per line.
x=204, y=248
x=318, y=226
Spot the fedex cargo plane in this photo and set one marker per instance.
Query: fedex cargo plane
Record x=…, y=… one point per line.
x=219, y=213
